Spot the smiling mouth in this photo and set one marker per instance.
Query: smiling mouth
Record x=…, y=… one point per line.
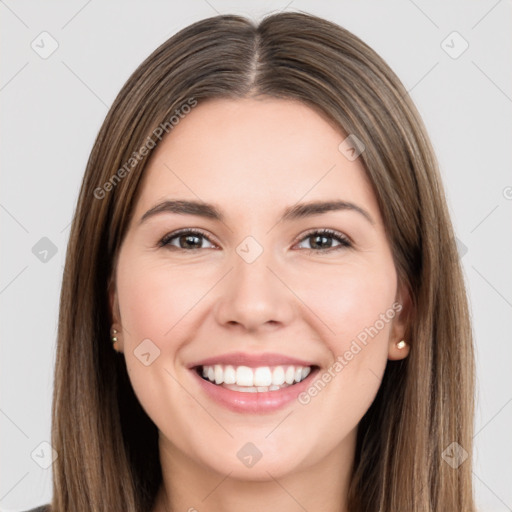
x=254, y=380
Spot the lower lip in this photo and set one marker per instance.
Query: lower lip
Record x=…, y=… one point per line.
x=240, y=401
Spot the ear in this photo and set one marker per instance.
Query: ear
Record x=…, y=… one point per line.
x=400, y=323
x=115, y=315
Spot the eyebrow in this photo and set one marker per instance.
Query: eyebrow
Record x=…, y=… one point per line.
x=295, y=212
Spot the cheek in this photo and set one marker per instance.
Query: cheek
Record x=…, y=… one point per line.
x=355, y=307
x=350, y=298
x=154, y=298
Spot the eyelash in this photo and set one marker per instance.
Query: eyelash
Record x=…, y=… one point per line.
x=344, y=242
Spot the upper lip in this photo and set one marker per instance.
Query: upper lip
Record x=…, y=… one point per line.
x=252, y=360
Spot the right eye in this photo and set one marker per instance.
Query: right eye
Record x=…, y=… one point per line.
x=187, y=240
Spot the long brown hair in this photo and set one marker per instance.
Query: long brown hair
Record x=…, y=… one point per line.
x=107, y=445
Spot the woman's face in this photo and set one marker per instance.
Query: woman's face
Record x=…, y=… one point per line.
x=256, y=297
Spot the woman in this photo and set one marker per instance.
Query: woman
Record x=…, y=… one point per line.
x=207, y=358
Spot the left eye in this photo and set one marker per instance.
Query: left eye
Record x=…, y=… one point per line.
x=192, y=239
x=322, y=240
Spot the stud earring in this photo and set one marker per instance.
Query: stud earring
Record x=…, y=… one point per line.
x=114, y=337
x=401, y=344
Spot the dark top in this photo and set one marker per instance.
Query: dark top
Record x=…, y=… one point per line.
x=42, y=508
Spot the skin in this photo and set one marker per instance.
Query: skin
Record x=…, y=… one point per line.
x=253, y=158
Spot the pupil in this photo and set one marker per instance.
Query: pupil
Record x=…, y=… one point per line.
x=187, y=238
x=321, y=237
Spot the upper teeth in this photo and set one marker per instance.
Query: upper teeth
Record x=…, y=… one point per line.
x=261, y=376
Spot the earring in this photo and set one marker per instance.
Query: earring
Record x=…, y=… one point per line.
x=401, y=344
x=114, y=337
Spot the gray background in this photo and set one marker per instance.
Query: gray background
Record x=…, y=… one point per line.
x=53, y=107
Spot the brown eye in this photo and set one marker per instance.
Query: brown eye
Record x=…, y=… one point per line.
x=188, y=239
x=322, y=240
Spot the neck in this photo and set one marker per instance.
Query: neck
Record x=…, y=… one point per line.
x=192, y=487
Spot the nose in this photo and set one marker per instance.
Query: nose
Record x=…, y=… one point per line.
x=254, y=295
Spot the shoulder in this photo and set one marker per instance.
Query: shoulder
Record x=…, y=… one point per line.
x=42, y=508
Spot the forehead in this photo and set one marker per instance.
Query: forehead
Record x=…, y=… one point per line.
x=254, y=153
